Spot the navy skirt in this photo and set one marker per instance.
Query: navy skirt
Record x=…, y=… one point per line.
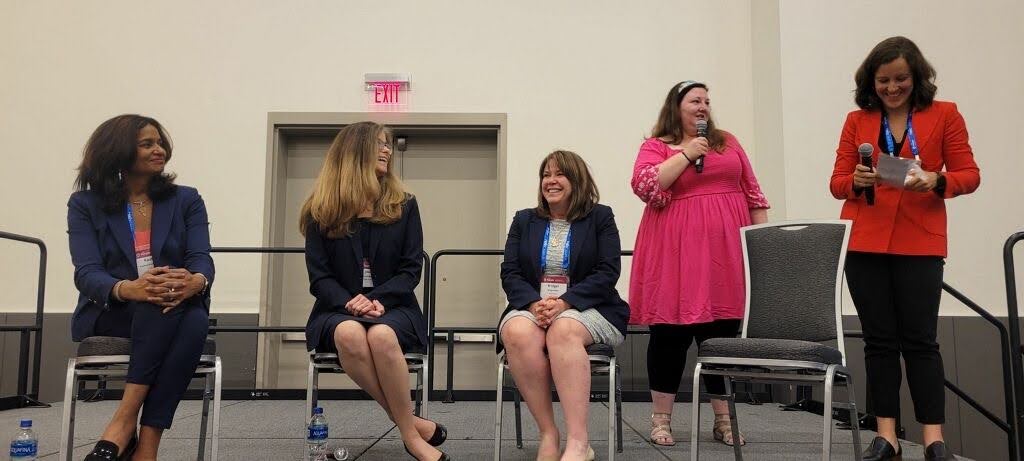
x=401, y=320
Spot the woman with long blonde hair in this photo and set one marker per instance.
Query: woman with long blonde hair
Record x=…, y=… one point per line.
x=364, y=242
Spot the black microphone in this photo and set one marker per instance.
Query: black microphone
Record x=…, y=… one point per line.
x=865, y=151
x=702, y=132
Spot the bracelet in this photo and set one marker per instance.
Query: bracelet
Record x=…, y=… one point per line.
x=117, y=291
x=206, y=282
x=683, y=152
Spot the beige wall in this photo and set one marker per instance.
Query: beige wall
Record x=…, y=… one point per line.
x=582, y=75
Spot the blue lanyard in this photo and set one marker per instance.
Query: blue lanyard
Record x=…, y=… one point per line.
x=909, y=136
x=131, y=220
x=565, y=251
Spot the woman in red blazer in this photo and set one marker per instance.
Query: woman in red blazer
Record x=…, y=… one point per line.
x=898, y=244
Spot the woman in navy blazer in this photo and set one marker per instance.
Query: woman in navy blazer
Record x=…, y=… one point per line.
x=561, y=263
x=141, y=249
x=364, y=246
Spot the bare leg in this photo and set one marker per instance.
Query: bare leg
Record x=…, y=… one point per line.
x=567, y=340
x=932, y=433
x=887, y=430
x=354, y=355
x=149, y=443
x=126, y=417
x=524, y=346
x=393, y=375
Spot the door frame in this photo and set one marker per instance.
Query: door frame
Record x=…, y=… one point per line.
x=280, y=125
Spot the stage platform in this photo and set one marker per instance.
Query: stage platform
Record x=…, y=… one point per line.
x=273, y=430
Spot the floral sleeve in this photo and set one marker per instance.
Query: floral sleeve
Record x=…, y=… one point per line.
x=645, y=175
x=751, y=189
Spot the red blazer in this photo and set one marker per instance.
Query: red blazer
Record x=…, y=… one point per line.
x=904, y=222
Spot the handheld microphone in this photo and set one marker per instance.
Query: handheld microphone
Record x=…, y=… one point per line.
x=865, y=151
x=702, y=131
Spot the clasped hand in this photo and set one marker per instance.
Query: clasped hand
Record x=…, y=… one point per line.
x=164, y=286
x=546, y=310
x=361, y=306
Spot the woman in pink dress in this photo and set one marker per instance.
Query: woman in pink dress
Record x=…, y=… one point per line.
x=687, y=279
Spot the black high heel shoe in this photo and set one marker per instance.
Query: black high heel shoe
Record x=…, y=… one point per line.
x=106, y=450
x=439, y=436
x=881, y=450
x=937, y=451
x=444, y=456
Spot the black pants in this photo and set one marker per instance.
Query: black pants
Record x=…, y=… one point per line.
x=897, y=300
x=666, y=353
x=165, y=352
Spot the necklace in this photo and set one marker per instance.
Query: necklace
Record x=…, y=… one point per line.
x=141, y=204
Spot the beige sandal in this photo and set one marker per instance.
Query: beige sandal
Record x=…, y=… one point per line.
x=661, y=429
x=723, y=431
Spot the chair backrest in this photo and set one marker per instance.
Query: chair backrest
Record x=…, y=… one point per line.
x=794, y=277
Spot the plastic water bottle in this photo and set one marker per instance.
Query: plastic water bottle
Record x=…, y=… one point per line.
x=25, y=445
x=316, y=436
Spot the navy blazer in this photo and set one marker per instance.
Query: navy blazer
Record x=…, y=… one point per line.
x=103, y=249
x=594, y=264
x=336, y=270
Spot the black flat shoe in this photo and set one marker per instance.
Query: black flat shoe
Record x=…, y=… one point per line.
x=444, y=456
x=881, y=450
x=439, y=436
x=106, y=450
x=937, y=451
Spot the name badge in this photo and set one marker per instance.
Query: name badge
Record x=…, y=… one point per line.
x=553, y=285
x=367, y=276
x=144, y=263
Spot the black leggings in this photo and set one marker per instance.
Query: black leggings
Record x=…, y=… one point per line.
x=666, y=353
x=897, y=300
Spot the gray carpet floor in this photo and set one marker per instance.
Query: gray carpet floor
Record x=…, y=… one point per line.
x=274, y=430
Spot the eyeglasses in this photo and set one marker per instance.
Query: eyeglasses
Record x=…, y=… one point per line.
x=383, y=145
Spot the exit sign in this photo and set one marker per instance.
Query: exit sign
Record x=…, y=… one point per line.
x=387, y=91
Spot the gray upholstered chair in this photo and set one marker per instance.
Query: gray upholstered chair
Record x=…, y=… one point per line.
x=793, y=278
x=102, y=358
x=602, y=362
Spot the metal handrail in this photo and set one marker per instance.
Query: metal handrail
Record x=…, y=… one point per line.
x=1013, y=318
x=1011, y=425
x=214, y=328
x=290, y=250
x=36, y=328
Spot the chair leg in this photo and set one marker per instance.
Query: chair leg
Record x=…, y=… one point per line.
x=497, y=410
x=67, y=421
x=735, y=422
x=424, y=388
x=418, y=400
x=695, y=415
x=612, y=378
x=311, y=389
x=854, y=417
x=826, y=437
x=618, y=411
x=205, y=416
x=516, y=403
x=218, y=373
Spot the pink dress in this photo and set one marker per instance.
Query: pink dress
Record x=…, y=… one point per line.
x=687, y=260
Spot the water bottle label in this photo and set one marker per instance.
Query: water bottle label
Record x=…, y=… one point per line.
x=23, y=448
x=317, y=432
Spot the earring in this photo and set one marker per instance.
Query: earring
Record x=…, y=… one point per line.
x=119, y=177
